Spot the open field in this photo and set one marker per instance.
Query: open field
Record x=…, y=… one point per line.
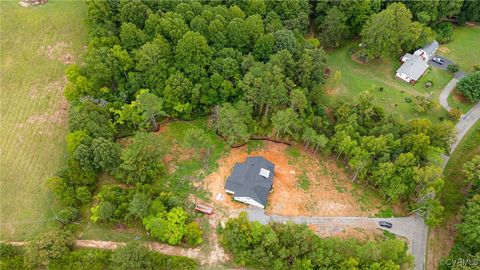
x=463, y=50
x=379, y=76
x=37, y=44
x=441, y=238
x=328, y=192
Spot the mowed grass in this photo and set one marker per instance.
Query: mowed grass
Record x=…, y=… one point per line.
x=464, y=49
x=377, y=74
x=459, y=101
x=36, y=44
x=453, y=193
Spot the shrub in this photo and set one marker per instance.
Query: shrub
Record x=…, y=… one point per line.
x=408, y=100
x=83, y=259
x=167, y=227
x=193, y=234
x=50, y=245
x=10, y=258
x=67, y=215
x=454, y=114
x=136, y=256
x=453, y=68
x=132, y=256
x=424, y=104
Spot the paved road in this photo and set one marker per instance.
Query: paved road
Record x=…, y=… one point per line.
x=463, y=126
x=447, y=90
x=413, y=227
x=466, y=122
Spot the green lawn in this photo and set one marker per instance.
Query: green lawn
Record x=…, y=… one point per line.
x=36, y=43
x=464, y=49
x=457, y=100
x=357, y=77
x=453, y=195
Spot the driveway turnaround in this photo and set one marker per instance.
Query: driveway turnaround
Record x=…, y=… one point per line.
x=412, y=228
x=443, y=66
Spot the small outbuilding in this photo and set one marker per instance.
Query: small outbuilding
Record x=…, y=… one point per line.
x=251, y=181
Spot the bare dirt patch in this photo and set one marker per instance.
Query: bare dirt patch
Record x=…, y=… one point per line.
x=459, y=97
x=322, y=198
x=59, y=52
x=444, y=49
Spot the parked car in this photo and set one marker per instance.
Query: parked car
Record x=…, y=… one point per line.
x=438, y=60
x=385, y=224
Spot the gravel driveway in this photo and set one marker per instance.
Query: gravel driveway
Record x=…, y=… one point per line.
x=413, y=228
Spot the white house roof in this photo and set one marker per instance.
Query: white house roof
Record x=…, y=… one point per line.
x=414, y=67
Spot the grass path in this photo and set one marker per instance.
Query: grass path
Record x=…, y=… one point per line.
x=37, y=44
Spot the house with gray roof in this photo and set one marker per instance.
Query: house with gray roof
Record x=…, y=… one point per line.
x=414, y=65
x=251, y=182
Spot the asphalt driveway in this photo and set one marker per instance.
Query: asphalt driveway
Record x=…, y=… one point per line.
x=441, y=66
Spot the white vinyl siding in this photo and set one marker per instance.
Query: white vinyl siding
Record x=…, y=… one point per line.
x=249, y=200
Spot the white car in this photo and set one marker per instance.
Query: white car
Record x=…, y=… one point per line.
x=438, y=60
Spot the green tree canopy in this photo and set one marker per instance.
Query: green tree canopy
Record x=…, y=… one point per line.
x=141, y=161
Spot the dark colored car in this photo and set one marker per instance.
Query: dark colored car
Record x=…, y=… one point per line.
x=385, y=224
x=438, y=60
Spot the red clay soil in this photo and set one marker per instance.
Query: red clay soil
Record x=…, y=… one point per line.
x=321, y=198
x=459, y=97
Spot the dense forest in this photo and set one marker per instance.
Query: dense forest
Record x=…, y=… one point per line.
x=248, y=67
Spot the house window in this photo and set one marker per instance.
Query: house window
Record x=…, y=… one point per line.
x=264, y=172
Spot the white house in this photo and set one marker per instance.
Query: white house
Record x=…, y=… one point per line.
x=414, y=65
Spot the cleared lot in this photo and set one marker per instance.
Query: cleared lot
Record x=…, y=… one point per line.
x=304, y=184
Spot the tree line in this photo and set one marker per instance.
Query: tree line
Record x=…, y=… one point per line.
x=293, y=246
x=465, y=254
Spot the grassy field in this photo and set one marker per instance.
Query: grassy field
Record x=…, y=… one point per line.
x=36, y=45
x=463, y=50
x=379, y=75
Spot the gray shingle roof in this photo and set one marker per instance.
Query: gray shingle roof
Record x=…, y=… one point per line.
x=430, y=48
x=246, y=181
x=414, y=67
